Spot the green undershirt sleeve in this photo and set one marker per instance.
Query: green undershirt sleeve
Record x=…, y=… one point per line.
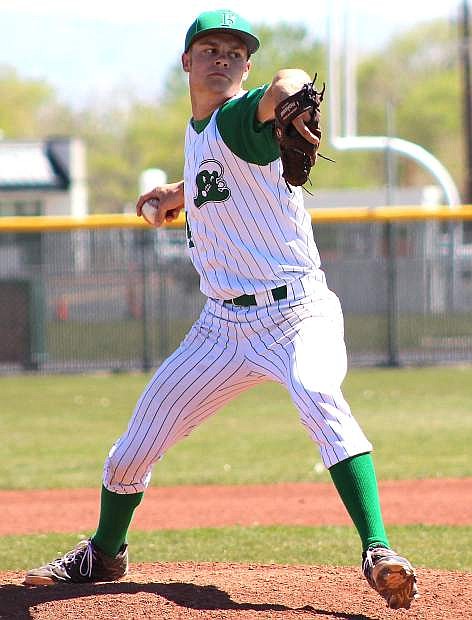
x=247, y=138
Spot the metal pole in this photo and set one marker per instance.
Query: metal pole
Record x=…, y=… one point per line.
x=146, y=360
x=350, y=75
x=343, y=142
x=467, y=95
x=454, y=228
x=391, y=237
x=334, y=61
x=162, y=298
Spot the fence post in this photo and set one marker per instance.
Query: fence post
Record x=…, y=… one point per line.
x=146, y=357
x=392, y=295
x=162, y=295
x=391, y=238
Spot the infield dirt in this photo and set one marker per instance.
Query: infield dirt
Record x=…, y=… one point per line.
x=223, y=591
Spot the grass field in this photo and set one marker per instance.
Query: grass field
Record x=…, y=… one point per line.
x=431, y=547
x=122, y=340
x=58, y=429
x=418, y=419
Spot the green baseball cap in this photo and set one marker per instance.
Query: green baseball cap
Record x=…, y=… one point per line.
x=222, y=20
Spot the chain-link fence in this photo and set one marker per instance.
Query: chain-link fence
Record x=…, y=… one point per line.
x=121, y=299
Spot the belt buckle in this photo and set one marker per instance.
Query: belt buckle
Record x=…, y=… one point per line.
x=233, y=302
x=270, y=296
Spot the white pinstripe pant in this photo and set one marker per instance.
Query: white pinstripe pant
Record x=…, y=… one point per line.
x=298, y=342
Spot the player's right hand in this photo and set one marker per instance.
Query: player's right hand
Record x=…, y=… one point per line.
x=168, y=201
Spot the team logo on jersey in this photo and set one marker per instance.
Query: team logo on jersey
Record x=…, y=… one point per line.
x=211, y=187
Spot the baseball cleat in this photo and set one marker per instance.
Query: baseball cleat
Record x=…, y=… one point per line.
x=392, y=576
x=86, y=563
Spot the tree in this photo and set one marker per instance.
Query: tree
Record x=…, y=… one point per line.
x=286, y=46
x=21, y=103
x=418, y=73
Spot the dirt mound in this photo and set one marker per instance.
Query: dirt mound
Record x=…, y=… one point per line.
x=188, y=591
x=430, y=502
x=220, y=591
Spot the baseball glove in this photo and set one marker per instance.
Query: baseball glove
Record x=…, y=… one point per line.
x=297, y=154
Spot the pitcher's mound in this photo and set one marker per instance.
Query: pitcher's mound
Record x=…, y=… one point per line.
x=189, y=591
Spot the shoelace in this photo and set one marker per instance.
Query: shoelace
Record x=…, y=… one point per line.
x=87, y=559
x=368, y=562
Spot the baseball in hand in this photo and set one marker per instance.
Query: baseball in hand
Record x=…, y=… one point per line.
x=149, y=211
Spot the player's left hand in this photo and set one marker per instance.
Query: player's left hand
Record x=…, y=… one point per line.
x=299, y=122
x=298, y=132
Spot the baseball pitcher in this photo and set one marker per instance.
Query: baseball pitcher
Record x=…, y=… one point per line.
x=269, y=314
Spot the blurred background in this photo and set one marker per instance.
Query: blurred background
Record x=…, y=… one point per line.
x=93, y=108
x=109, y=74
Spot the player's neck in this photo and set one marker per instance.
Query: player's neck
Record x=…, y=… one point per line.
x=204, y=106
x=204, y=109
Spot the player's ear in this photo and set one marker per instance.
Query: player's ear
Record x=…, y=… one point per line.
x=246, y=72
x=186, y=61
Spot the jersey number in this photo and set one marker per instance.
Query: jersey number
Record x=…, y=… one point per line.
x=190, y=242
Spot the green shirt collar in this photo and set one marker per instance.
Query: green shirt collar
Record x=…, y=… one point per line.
x=199, y=126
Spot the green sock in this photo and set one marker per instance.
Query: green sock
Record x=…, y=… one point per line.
x=356, y=483
x=116, y=513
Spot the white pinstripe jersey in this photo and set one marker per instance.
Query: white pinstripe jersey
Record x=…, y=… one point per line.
x=247, y=232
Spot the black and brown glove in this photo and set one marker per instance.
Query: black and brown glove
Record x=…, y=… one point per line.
x=297, y=154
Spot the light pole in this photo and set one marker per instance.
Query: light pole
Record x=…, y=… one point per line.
x=464, y=26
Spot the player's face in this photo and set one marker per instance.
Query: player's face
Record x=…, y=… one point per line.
x=217, y=63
